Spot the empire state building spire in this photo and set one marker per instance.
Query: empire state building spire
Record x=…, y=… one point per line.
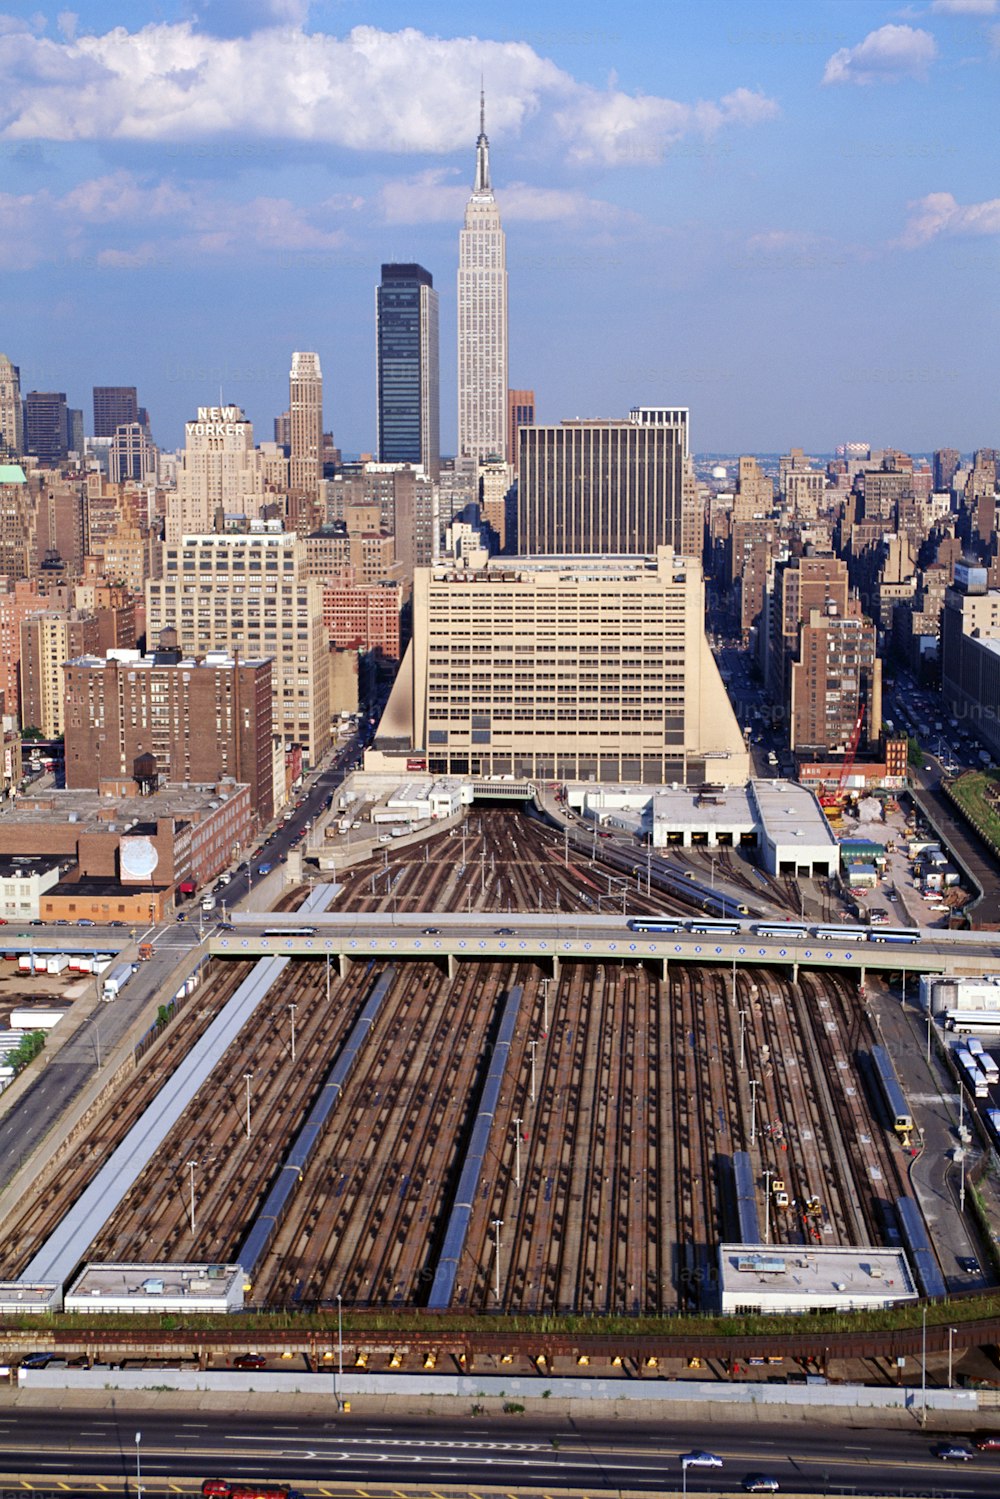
x=482, y=316
x=482, y=187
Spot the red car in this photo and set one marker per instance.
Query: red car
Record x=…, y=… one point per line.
x=249, y=1361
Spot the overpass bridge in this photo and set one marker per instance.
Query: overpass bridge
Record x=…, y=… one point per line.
x=550, y=940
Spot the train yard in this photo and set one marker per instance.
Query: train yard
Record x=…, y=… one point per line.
x=607, y=1184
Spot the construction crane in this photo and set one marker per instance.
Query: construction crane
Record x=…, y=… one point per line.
x=835, y=798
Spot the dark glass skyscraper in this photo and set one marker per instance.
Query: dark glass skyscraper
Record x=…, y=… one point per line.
x=406, y=308
x=114, y=406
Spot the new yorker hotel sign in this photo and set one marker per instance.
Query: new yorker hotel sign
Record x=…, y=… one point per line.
x=217, y=421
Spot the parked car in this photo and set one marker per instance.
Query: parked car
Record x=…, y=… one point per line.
x=36, y=1360
x=264, y=868
x=85, y=921
x=249, y=1361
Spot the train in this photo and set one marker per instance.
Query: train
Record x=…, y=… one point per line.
x=892, y=1094
x=782, y=931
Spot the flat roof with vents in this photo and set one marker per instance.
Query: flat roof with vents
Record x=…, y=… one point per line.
x=753, y=1278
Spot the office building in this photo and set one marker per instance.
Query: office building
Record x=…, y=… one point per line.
x=970, y=654
x=250, y=595
x=608, y=487
x=520, y=413
x=201, y=719
x=11, y=411
x=46, y=426
x=482, y=317
x=305, y=424
x=131, y=454
x=406, y=368
x=564, y=668
x=946, y=464
x=48, y=641
x=364, y=616
x=114, y=406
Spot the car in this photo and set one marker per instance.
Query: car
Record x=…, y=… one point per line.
x=968, y=1264
x=36, y=921
x=226, y=926
x=225, y=878
x=989, y=1443
x=953, y=1452
x=698, y=1459
x=249, y=1361
x=282, y=858
x=760, y=1483
x=181, y=916
x=116, y=923
x=61, y=921
x=264, y=868
x=85, y=921
x=432, y=931
x=503, y=931
x=36, y=1360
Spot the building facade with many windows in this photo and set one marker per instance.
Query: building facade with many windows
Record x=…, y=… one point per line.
x=250, y=595
x=565, y=668
x=406, y=368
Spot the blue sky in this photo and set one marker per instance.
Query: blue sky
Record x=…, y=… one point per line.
x=783, y=216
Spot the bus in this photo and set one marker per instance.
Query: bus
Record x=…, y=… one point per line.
x=714, y=926
x=779, y=929
x=840, y=934
x=655, y=924
x=289, y=931
x=897, y=936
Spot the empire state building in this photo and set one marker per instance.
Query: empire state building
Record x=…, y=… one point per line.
x=482, y=317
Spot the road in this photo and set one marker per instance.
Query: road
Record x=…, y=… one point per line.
x=526, y=1454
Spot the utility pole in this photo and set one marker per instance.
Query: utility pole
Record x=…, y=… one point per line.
x=497, y=1226
x=754, y=1085
x=291, y=1011
x=768, y=1173
x=951, y=1333
x=545, y=1006
x=191, y=1167
x=923, y=1370
x=517, y=1152
x=743, y=1017
x=533, y=1047
x=247, y=1076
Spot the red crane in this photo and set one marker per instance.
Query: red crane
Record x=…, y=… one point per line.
x=852, y=750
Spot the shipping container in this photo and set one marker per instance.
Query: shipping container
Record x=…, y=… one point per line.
x=35, y=1020
x=56, y=963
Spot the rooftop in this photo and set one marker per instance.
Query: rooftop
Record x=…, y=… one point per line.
x=861, y=1273
x=193, y=1282
x=132, y=814
x=787, y=811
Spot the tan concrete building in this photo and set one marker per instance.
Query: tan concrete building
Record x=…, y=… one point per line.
x=48, y=641
x=564, y=668
x=220, y=471
x=250, y=594
x=482, y=317
x=11, y=410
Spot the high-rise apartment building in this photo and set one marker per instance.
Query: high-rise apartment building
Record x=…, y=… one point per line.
x=48, y=641
x=46, y=426
x=305, y=421
x=11, y=411
x=569, y=668
x=609, y=487
x=131, y=455
x=202, y=720
x=249, y=594
x=114, y=406
x=838, y=673
x=482, y=317
x=520, y=413
x=946, y=464
x=406, y=368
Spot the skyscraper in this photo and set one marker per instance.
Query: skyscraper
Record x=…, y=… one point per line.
x=482, y=317
x=305, y=412
x=520, y=413
x=11, y=411
x=46, y=425
x=114, y=406
x=406, y=314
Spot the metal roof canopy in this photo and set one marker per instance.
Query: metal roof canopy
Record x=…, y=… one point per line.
x=62, y=1252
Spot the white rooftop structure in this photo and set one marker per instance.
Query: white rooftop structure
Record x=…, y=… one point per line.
x=104, y=1287
x=793, y=1278
x=20, y=1298
x=795, y=833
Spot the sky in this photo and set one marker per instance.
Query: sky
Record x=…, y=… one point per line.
x=784, y=216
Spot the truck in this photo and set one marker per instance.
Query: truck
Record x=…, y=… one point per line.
x=145, y=951
x=208, y=903
x=116, y=981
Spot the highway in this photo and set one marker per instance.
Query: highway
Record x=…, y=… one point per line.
x=518, y=1453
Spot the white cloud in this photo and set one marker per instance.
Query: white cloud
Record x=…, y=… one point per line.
x=400, y=92
x=964, y=7
x=885, y=55
x=939, y=213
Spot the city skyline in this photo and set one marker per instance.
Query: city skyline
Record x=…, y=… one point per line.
x=765, y=219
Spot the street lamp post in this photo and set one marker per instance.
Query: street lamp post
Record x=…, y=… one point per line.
x=497, y=1226
x=517, y=1152
x=291, y=1011
x=545, y=1005
x=340, y=1348
x=923, y=1370
x=247, y=1076
x=768, y=1173
x=951, y=1333
x=191, y=1167
x=743, y=1020
x=533, y=1047
x=754, y=1085
x=138, y=1466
